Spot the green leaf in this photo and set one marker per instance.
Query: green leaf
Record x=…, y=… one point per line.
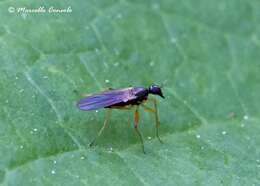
x=208, y=52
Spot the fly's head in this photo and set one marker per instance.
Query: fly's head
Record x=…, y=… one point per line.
x=156, y=90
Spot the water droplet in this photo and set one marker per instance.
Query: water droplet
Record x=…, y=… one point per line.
x=35, y=129
x=97, y=111
x=151, y=63
x=21, y=146
x=224, y=132
x=173, y=40
x=107, y=81
x=82, y=157
x=22, y=90
x=54, y=162
x=53, y=172
x=149, y=137
x=245, y=117
x=45, y=77
x=198, y=136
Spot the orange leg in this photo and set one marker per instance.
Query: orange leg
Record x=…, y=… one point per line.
x=155, y=112
x=108, y=112
x=136, y=122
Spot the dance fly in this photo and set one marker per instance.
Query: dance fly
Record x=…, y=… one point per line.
x=126, y=98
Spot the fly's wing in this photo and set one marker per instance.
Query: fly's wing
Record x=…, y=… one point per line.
x=105, y=99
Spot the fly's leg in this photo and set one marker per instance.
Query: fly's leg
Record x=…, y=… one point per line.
x=136, y=122
x=155, y=112
x=108, y=112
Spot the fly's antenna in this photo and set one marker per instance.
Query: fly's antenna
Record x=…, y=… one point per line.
x=163, y=83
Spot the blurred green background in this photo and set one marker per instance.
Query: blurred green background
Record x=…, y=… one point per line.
x=207, y=51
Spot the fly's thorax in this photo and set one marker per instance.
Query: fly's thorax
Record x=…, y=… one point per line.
x=140, y=92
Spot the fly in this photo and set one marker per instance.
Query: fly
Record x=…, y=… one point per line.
x=125, y=98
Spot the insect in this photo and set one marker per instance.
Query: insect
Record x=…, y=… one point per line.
x=126, y=98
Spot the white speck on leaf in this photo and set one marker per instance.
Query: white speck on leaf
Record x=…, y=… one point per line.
x=45, y=77
x=155, y=6
x=198, y=136
x=119, y=16
x=7, y=101
x=173, y=40
x=21, y=91
x=222, y=6
x=35, y=129
x=16, y=77
x=245, y=117
x=151, y=63
x=21, y=146
x=116, y=64
x=254, y=38
x=110, y=149
x=54, y=162
x=97, y=111
x=107, y=81
x=224, y=132
x=202, y=148
x=53, y=172
x=242, y=125
x=82, y=157
x=149, y=137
